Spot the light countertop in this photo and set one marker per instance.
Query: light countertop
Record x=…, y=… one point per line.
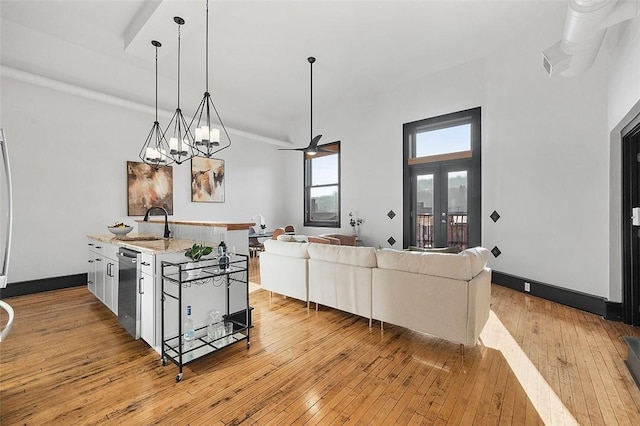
x=230, y=226
x=161, y=246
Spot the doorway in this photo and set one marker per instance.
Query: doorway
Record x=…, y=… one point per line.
x=442, y=181
x=630, y=232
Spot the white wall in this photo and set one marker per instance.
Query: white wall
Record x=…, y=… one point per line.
x=370, y=131
x=544, y=159
x=68, y=158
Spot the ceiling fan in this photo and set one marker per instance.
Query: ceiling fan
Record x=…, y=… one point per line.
x=313, y=148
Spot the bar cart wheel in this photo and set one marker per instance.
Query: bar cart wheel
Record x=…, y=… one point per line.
x=163, y=361
x=179, y=377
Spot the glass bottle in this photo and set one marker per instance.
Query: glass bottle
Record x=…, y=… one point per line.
x=189, y=331
x=224, y=258
x=213, y=326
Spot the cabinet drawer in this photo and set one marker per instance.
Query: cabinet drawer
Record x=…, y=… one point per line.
x=95, y=246
x=147, y=264
x=110, y=251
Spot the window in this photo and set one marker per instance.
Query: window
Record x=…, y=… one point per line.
x=322, y=187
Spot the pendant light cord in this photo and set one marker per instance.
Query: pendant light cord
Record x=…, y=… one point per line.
x=311, y=109
x=156, y=83
x=179, y=66
x=206, y=53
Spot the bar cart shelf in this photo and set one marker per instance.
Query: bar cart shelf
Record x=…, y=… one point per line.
x=177, y=280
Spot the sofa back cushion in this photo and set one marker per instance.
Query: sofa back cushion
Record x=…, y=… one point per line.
x=348, y=255
x=288, y=249
x=463, y=266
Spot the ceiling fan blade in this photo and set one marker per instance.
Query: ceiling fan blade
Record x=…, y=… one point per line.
x=291, y=149
x=314, y=142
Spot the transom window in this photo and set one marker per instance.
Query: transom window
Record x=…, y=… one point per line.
x=322, y=187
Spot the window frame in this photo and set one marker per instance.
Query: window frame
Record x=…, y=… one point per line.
x=307, y=168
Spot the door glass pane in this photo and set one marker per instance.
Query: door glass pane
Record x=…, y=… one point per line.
x=457, y=210
x=443, y=141
x=324, y=203
x=324, y=170
x=424, y=211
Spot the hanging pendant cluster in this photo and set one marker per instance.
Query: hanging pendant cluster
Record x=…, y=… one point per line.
x=178, y=143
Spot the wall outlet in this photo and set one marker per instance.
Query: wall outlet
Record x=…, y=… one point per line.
x=527, y=287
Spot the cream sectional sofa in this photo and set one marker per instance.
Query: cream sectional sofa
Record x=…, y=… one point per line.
x=445, y=295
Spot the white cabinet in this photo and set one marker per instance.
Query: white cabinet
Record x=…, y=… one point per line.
x=146, y=288
x=102, y=272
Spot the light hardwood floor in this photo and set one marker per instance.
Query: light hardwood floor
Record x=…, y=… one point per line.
x=67, y=361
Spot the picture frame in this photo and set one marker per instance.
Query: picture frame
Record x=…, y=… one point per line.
x=148, y=187
x=207, y=180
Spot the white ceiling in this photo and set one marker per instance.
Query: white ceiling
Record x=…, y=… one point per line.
x=259, y=74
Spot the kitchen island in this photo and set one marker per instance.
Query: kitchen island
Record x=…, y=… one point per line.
x=103, y=270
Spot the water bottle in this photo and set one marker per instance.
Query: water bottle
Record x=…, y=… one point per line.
x=213, y=327
x=224, y=258
x=189, y=331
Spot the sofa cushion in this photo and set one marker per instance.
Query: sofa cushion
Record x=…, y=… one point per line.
x=463, y=266
x=348, y=255
x=287, y=249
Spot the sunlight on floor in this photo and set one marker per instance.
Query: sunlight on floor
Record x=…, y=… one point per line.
x=548, y=405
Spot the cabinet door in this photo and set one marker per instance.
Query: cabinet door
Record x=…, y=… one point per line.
x=110, y=276
x=111, y=285
x=146, y=288
x=100, y=275
x=91, y=271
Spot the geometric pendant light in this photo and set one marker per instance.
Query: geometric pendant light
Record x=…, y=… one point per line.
x=155, y=149
x=207, y=134
x=180, y=139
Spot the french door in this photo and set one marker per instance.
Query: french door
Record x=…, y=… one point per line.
x=442, y=189
x=440, y=206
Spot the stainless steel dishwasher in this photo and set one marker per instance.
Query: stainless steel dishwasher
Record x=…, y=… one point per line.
x=128, y=293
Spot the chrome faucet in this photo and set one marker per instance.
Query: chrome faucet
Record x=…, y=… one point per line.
x=166, y=219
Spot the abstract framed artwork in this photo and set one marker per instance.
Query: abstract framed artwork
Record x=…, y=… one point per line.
x=148, y=187
x=207, y=180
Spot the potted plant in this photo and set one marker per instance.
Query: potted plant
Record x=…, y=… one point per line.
x=195, y=253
